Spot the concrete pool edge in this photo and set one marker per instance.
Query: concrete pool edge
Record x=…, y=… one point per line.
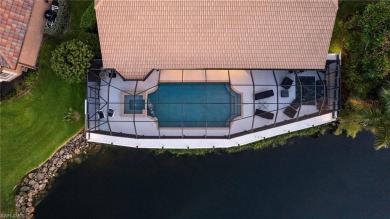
x=164, y=123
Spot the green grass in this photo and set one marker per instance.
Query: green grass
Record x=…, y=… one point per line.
x=32, y=127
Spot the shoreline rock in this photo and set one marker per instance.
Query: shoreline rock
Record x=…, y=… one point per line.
x=33, y=186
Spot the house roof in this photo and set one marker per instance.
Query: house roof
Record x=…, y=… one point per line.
x=139, y=35
x=14, y=19
x=33, y=39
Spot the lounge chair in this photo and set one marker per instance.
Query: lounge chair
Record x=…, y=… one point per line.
x=286, y=83
x=264, y=94
x=264, y=114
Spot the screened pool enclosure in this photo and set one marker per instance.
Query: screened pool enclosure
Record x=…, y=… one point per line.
x=210, y=103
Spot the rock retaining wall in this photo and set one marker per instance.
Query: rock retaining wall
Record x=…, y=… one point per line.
x=33, y=186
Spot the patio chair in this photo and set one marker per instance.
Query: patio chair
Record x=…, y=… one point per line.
x=264, y=94
x=110, y=112
x=286, y=83
x=264, y=114
x=290, y=111
x=100, y=114
x=295, y=104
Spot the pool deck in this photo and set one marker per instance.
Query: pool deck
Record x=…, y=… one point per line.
x=209, y=143
x=246, y=82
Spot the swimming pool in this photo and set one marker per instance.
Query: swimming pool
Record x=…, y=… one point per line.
x=194, y=104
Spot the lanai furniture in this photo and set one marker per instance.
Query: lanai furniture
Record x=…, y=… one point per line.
x=286, y=83
x=292, y=110
x=264, y=94
x=110, y=112
x=100, y=114
x=264, y=114
x=284, y=93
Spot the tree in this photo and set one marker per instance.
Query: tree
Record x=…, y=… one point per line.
x=71, y=61
x=367, y=72
x=377, y=119
x=368, y=49
x=376, y=33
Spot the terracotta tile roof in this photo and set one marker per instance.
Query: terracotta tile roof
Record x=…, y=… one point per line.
x=3, y=63
x=33, y=40
x=139, y=35
x=14, y=19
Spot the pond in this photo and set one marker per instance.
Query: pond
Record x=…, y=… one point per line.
x=326, y=177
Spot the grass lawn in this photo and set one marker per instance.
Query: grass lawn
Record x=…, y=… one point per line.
x=32, y=127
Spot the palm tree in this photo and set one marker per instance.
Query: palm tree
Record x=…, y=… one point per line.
x=385, y=97
x=377, y=119
x=382, y=136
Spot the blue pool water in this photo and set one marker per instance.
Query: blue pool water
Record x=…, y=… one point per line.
x=194, y=104
x=134, y=105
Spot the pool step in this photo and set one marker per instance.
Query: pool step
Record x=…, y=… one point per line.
x=235, y=109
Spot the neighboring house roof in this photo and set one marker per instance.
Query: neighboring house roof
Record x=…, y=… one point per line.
x=34, y=35
x=3, y=63
x=14, y=19
x=137, y=35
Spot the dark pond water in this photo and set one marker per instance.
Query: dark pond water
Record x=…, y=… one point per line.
x=326, y=177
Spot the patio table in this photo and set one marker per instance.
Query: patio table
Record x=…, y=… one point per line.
x=263, y=105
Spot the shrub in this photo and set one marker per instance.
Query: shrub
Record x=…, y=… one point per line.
x=18, y=86
x=368, y=48
x=348, y=127
x=61, y=21
x=72, y=115
x=71, y=61
x=88, y=21
x=31, y=79
x=7, y=89
x=92, y=40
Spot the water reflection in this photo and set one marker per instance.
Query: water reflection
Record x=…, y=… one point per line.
x=325, y=177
